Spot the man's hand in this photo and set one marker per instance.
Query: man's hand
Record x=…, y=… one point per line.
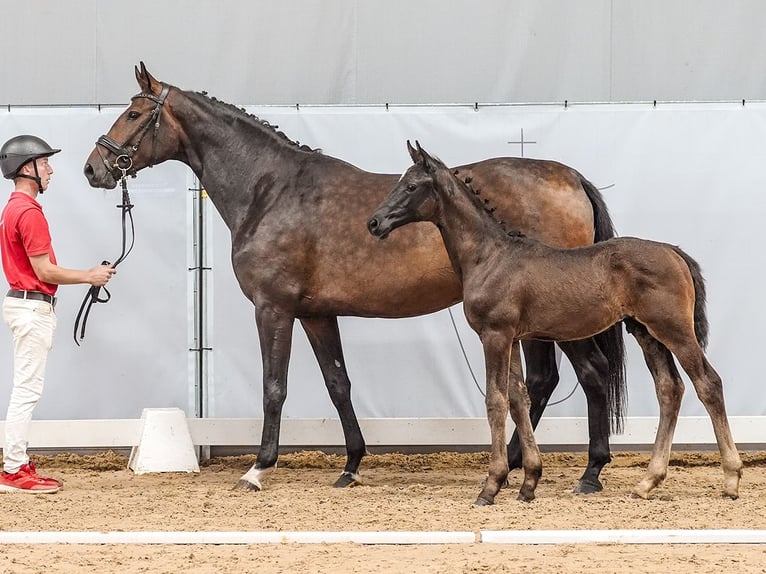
x=99, y=276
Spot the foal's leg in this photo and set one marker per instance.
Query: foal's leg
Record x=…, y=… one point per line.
x=709, y=388
x=324, y=337
x=502, y=396
x=542, y=378
x=275, y=330
x=592, y=369
x=669, y=388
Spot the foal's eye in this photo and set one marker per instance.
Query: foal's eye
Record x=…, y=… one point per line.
x=133, y=115
x=412, y=187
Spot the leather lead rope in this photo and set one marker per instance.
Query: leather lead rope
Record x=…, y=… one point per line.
x=94, y=293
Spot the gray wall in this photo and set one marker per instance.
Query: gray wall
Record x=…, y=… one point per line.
x=343, y=52
x=397, y=51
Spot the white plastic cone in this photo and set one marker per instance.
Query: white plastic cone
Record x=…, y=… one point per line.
x=165, y=444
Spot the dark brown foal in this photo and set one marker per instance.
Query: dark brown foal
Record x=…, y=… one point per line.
x=517, y=288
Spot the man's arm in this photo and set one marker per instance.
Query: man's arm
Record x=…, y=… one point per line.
x=50, y=273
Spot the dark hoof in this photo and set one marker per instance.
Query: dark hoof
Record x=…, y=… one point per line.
x=347, y=479
x=483, y=502
x=246, y=485
x=525, y=496
x=587, y=487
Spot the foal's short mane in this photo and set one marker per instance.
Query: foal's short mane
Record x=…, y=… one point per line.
x=243, y=112
x=484, y=203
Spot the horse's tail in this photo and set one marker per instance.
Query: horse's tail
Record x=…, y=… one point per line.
x=602, y=222
x=610, y=341
x=700, y=296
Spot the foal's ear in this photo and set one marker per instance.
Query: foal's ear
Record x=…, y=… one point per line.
x=414, y=154
x=147, y=82
x=425, y=160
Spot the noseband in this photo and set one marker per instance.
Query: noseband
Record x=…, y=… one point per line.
x=123, y=163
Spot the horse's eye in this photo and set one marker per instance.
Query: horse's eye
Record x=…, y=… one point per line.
x=133, y=115
x=412, y=187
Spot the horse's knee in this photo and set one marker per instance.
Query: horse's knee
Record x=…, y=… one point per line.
x=274, y=395
x=339, y=389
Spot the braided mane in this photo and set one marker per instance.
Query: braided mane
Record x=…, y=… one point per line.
x=264, y=123
x=485, y=204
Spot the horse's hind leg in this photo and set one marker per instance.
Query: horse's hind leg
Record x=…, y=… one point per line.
x=669, y=388
x=709, y=389
x=592, y=369
x=324, y=336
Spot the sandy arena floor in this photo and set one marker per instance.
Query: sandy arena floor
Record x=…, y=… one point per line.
x=400, y=492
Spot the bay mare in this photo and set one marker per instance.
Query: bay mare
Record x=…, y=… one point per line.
x=515, y=287
x=300, y=250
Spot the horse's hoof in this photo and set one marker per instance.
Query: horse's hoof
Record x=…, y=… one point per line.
x=731, y=495
x=525, y=496
x=587, y=487
x=483, y=502
x=347, y=479
x=243, y=484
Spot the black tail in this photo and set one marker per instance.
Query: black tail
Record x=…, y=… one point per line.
x=700, y=296
x=610, y=341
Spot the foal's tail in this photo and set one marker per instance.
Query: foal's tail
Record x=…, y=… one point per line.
x=700, y=312
x=610, y=341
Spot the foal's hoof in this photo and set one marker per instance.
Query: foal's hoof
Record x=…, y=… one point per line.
x=525, y=496
x=243, y=484
x=587, y=487
x=483, y=502
x=730, y=495
x=347, y=479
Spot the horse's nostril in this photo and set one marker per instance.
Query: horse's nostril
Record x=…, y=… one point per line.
x=88, y=170
x=372, y=224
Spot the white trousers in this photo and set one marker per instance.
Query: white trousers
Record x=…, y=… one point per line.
x=32, y=324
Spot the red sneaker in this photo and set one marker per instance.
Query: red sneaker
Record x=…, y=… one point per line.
x=30, y=468
x=23, y=481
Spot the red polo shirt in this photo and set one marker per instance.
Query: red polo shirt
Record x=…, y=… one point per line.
x=24, y=233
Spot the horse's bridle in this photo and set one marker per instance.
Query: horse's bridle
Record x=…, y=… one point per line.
x=120, y=170
x=123, y=163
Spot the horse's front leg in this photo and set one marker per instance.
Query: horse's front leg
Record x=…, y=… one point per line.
x=499, y=393
x=275, y=329
x=324, y=336
x=542, y=379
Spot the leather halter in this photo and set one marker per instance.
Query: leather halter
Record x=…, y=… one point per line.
x=123, y=163
x=120, y=170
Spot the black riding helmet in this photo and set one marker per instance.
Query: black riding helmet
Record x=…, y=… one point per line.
x=19, y=151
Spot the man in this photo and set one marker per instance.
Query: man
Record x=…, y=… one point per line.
x=33, y=274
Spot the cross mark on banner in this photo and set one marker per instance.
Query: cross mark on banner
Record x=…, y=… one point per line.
x=522, y=141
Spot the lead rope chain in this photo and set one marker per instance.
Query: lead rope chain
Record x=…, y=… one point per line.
x=93, y=294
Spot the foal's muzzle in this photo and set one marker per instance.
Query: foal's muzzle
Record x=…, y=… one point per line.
x=375, y=228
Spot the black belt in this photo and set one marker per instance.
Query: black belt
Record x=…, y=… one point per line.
x=36, y=295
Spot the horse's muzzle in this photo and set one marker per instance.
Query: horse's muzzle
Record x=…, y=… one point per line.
x=374, y=227
x=103, y=179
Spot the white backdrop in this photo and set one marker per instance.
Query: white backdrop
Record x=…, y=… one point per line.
x=687, y=174
x=684, y=174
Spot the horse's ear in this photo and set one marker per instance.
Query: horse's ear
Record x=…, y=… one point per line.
x=148, y=83
x=414, y=154
x=425, y=160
